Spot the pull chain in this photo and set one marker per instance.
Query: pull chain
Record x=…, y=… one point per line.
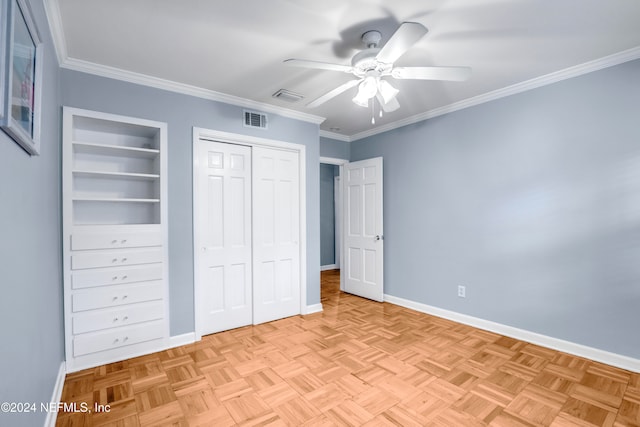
x=373, y=105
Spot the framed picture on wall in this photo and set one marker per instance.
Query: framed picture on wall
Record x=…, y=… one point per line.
x=21, y=75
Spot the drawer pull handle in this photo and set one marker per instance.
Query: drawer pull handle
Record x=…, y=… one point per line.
x=116, y=340
x=124, y=260
x=124, y=241
x=114, y=278
x=125, y=339
x=115, y=319
x=115, y=298
x=124, y=297
x=125, y=318
x=113, y=242
x=124, y=277
x=114, y=260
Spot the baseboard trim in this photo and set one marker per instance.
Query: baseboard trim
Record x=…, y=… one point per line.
x=313, y=308
x=184, y=339
x=52, y=416
x=328, y=267
x=613, y=359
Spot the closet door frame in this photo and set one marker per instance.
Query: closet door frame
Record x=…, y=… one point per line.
x=202, y=134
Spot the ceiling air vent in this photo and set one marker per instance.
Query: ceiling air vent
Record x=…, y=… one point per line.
x=287, y=95
x=253, y=119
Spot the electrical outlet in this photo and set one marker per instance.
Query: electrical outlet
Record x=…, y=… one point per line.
x=462, y=291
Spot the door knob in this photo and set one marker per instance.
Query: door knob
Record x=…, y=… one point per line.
x=378, y=237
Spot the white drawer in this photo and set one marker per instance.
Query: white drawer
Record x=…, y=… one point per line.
x=112, y=296
x=80, y=260
x=113, y=338
x=96, y=320
x=114, y=240
x=114, y=276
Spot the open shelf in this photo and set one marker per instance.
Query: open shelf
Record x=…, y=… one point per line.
x=115, y=175
x=114, y=199
x=114, y=150
x=96, y=211
x=115, y=168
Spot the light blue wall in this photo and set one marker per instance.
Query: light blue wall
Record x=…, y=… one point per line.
x=531, y=201
x=333, y=148
x=327, y=215
x=182, y=112
x=30, y=256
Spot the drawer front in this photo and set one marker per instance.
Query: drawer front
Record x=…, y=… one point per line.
x=113, y=296
x=80, y=260
x=114, y=338
x=87, y=240
x=114, y=276
x=96, y=320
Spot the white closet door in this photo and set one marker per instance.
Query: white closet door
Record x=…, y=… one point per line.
x=363, y=239
x=224, y=236
x=276, y=225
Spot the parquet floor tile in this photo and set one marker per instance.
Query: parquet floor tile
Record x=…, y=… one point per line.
x=358, y=363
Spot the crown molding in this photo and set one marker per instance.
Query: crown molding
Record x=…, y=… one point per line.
x=335, y=136
x=158, y=83
x=54, y=18
x=557, y=76
x=52, y=11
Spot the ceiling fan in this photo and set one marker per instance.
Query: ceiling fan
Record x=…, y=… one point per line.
x=372, y=64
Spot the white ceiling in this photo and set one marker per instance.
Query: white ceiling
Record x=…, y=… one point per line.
x=237, y=47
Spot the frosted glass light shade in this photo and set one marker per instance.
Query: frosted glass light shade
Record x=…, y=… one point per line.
x=387, y=91
x=366, y=90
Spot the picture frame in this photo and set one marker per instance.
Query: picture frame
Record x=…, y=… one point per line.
x=20, y=75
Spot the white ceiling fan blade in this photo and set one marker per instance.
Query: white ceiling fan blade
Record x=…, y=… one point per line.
x=456, y=74
x=333, y=93
x=318, y=65
x=405, y=36
x=391, y=105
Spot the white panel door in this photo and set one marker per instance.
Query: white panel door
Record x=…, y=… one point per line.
x=362, y=233
x=223, y=236
x=276, y=225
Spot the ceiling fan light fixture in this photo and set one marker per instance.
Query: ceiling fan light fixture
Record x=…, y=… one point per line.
x=366, y=90
x=361, y=101
x=368, y=87
x=387, y=91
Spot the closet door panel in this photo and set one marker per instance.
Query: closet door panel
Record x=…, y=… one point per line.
x=223, y=219
x=276, y=208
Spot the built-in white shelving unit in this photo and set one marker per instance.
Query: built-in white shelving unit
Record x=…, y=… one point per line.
x=115, y=237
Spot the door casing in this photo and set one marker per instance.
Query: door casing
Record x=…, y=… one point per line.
x=340, y=163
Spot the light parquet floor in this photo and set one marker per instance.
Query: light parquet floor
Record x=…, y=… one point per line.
x=357, y=363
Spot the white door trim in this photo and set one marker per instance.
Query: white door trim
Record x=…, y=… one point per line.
x=340, y=163
x=333, y=161
x=233, y=138
x=337, y=219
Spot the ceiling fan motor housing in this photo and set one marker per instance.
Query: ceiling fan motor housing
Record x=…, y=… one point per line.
x=364, y=63
x=371, y=38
